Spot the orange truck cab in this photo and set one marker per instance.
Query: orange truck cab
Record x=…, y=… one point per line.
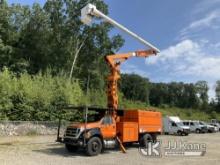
x=102, y=130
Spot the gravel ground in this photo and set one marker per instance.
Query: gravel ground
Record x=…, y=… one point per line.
x=42, y=150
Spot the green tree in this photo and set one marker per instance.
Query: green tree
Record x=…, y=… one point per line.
x=202, y=90
x=217, y=94
x=50, y=37
x=135, y=87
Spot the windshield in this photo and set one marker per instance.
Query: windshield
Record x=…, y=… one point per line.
x=201, y=123
x=180, y=123
x=94, y=117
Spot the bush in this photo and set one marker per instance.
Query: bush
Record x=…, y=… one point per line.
x=35, y=97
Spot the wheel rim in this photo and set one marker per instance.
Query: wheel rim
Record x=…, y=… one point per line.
x=147, y=141
x=95, y=146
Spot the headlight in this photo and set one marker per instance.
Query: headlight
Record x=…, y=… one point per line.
x=82, y=129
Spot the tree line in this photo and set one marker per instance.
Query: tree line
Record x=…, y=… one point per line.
x=47, y=56
x=173, y=94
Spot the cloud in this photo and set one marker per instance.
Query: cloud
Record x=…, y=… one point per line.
x=196, y=55
x=206, y=21
x=182, y=49
x=189, y=58
x=206, y=5
x=211, y=20
x=130, y=68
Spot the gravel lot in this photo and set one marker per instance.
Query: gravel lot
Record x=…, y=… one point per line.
x=42, y=150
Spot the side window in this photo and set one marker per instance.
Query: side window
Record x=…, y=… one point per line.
x=107, y=120
x=173, y=124
x=191, y=123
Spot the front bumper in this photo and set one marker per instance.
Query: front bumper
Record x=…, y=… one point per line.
x=186, y=131
x=204, y=129
x=73, y=141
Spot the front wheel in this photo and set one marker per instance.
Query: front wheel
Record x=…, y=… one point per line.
x=198, y=131
x=94, y=146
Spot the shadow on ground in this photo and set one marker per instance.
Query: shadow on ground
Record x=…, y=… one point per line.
x=59, y=150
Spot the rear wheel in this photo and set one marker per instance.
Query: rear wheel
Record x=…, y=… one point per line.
x=154, y=137
x=94, y=146
x=198, y=130
x=145, y=139
x=71, y=148
x=179, y=133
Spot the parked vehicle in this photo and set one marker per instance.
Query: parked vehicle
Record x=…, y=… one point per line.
x=101, y=129
x=195, y=126
x=215, y=123
x=173, y=125
x=210, y=128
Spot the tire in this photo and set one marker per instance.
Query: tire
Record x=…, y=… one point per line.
x=179, y=133
x=198, y=131
x=143, y=142
x=166, y=133
x=185, y=134
x=71, y=148
x=94, y=146
x=154, y=137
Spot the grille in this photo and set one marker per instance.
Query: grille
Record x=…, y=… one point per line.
x=72, y=132
x=187, y=130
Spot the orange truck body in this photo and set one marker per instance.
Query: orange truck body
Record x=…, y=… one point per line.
x=135, y=122
x=129, y=127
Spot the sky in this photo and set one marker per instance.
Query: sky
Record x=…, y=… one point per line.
x=187, y=33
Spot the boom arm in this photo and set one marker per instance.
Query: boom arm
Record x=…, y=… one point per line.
x=114, y=62
x=89, y=11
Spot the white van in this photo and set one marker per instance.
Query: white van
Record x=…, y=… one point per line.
x=195, y=126
x=173, y=125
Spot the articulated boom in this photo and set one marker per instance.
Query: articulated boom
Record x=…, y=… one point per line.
x=114, y=62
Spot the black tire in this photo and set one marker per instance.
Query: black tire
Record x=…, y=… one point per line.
x=198, y=131
x=179, y=133
x=154, y=137
x=145, y=139
x=186, y=134
x=71, y=148
x=166, y=133
x=94, y=146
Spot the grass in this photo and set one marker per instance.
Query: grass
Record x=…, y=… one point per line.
x=187, y=114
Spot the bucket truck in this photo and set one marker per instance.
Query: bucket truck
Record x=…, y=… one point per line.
x=111, y=126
